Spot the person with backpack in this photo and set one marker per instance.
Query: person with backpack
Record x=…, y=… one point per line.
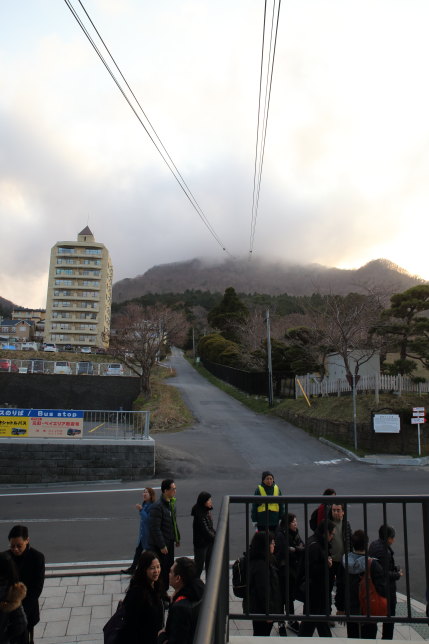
x=267, y=515
x=185, y=603
x=352, y=586
x=381, y=549
x=289, y=548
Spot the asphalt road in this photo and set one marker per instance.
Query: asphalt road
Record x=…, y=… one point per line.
x=224, y=452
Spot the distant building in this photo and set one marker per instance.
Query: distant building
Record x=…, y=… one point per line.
x=14, y=331
x=335, y=367
x=79, y=299
x=37, y=316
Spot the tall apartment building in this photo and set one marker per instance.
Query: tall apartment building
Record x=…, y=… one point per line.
x=79, y=298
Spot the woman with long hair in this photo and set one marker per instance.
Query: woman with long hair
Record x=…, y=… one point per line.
x=261, y=557
x=288, y=552
x=142, y=543
x=143, y=603
x=203, y=531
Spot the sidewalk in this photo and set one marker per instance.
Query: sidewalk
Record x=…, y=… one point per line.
x=75, y=607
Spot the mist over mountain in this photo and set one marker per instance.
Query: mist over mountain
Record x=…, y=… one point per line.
x=263, y=276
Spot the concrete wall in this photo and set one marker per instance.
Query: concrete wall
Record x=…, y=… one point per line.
x=27, y=460
x=46, y=391
x=406, y=442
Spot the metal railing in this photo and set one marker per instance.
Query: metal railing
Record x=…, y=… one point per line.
x=409, y=515
x=84, y=367
x=116, y=424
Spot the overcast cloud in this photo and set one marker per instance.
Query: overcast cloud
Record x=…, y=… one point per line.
x=346, y=170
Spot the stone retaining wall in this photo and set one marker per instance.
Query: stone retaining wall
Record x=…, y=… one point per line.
x=48, y=391
x=27, y=460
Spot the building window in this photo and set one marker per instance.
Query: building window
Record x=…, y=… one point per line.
x=92, y=251
x=64, y=250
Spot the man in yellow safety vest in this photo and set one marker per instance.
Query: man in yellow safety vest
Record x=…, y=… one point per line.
x=274, y=509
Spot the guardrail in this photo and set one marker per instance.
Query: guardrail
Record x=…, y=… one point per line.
x=77, y=368
x=366, y=512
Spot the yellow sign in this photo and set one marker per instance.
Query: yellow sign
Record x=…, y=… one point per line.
x=14, y=426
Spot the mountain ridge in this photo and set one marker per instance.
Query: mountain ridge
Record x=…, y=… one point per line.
x=262, y=276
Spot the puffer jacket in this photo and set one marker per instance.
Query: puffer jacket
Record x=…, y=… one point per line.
x=355, y=569
x=11, y=623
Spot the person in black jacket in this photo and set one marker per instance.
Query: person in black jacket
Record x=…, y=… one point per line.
x=348, y=602
x=289, y=548
x=261, y=557
x=203, y=532
x=381, y=549
x=317, y=579
x=163, y=530
x=13, y=623
x=30, y=565
x=143, y=603
x=183, y=613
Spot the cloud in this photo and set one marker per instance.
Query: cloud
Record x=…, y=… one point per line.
x=345, y=171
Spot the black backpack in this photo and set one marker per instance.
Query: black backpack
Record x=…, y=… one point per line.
x=239, y=577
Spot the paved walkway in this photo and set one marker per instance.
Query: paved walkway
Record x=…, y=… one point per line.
x=75, y=607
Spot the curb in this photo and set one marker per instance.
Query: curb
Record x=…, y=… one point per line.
x=378, y=459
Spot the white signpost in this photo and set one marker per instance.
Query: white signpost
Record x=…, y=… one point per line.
x=418, y=419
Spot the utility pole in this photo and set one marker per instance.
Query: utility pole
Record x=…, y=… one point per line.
x=270, y=366
x=193, y=342
x=354, y=410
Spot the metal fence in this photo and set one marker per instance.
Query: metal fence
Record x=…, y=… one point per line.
x=116, y=424
x=409, y=514
x=313, y=386
x=65, y=367
x=254, y=383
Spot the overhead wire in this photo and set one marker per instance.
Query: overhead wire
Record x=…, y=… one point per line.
x=160, y=148
x=262, y=123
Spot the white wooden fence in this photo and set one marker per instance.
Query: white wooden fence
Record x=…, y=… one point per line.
x=374, y=382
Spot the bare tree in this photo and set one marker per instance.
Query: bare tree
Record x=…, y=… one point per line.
x=345, y=325
x=143, y=335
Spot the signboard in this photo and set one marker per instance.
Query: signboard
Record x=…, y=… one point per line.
x=41, y=423
x=418, y=409
x=418, y=421
x=419, y=413
x=387, y=423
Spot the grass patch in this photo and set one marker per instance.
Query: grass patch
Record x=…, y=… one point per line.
x=341, y=408
x=168, y=412
x=256, y=403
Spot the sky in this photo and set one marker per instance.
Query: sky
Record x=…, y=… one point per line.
x=346, y=165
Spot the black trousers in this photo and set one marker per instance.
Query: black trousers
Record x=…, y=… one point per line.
x=361, y=631
x=262, y=628
x=202, y=558
x=307, y=629
x=166, y=562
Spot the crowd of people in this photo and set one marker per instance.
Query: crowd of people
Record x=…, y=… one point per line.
x=154, y=570
x=282, y=570
x=333, y=556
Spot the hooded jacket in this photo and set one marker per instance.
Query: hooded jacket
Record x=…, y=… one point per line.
x=351, y=577
x=183, y=614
